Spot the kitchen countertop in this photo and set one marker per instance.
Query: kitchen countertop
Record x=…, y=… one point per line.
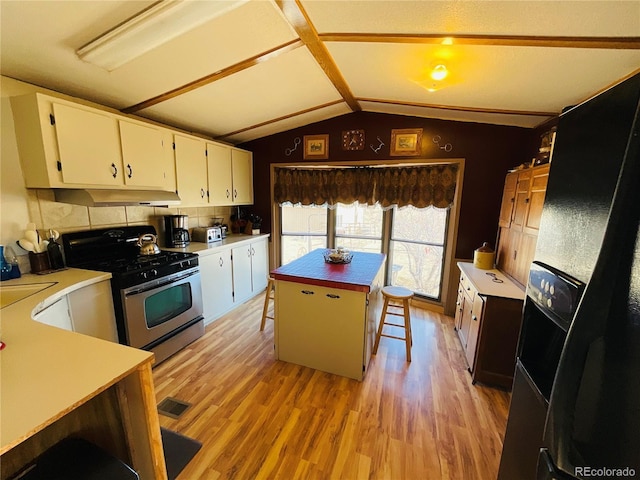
x=485, y=285
x=311, y=269
x=231, y=240
x=45, y=372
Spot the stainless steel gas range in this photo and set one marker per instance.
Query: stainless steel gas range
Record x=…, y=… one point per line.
x=157, y=297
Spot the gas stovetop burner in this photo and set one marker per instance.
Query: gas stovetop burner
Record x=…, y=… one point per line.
x=115, y=251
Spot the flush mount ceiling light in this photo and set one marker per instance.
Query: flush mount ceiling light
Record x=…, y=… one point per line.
x=439, y=72
x=163, y=21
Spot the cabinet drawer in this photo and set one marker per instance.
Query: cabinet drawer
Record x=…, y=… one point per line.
x=466, y=287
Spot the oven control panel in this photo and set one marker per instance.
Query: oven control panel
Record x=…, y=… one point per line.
x=554, y=291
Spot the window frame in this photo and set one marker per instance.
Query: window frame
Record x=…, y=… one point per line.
x=450, y=271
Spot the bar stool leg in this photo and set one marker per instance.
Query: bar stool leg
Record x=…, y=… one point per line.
x=381, y=326
x=407, y=327
x=265, y=309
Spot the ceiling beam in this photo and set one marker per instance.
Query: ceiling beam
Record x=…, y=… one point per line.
x=279, y=119
x=220, y=74
x=296, y=15
x=459, y=109
x=623, y=43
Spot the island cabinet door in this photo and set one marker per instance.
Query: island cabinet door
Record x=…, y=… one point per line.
x=322, y=328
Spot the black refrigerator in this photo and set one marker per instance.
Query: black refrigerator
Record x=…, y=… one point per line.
x=575, y=405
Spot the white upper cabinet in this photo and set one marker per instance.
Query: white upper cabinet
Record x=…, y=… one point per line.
x=191, y=170
x=66, y=144
x=230, y=175
x=220, y=174
x=242, y=167
x=89, y=146
x=142, y=154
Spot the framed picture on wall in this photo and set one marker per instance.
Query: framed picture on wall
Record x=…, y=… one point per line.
x=406, y=142
x=316, y=147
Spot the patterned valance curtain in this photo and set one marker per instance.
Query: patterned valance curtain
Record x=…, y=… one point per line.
x=419, y=186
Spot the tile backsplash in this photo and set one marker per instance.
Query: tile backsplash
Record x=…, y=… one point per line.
x=46, y=213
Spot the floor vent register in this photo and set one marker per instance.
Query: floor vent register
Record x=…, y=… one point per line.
x=172, y=407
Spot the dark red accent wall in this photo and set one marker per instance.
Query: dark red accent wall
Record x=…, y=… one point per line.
x=489, y=151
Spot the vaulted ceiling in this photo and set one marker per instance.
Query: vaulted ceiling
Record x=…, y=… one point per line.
x=241, y=70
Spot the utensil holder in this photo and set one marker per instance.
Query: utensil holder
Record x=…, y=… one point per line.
x=39, y=262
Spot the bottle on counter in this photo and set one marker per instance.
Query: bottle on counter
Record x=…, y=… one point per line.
x=12, y=260
x=5, y=268
x=55, y=253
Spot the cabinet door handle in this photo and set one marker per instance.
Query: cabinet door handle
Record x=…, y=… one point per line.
x=526, y=200
x=332, y=295
x=130, y=170
x=468, y=289
x=221, y=262
x=515, y=254
x=457, y=303
x=235, y=193
x=202, y=192
x=307, y=292
x=473, y=317
x=115, y=170
x=228, y=193
x=253, y=252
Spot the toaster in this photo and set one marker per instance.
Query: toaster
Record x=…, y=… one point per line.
x=206, y=234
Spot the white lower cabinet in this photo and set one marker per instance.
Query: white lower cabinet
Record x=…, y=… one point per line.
x=216, y=278
x=87, y=310
x=250, y=266
x=57, y=314
x=92, y=311
x=232, y=275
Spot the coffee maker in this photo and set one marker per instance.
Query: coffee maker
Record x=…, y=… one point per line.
x=176, y=230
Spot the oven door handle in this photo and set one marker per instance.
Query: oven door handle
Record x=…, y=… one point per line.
x=147, y=288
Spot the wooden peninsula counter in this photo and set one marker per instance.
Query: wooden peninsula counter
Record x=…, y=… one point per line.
x=326, y=314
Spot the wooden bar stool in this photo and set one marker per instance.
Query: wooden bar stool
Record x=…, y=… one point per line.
x=269, y=295
x=399, y=295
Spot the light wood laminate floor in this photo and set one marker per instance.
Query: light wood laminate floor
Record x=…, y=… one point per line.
x=260, y=418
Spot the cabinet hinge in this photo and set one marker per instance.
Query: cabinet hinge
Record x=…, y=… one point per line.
x=59, y=165
x=52, y=119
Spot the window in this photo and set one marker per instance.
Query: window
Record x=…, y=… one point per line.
x=359, y=227
x=302, y=229
x=414, y=239
x=417, y=246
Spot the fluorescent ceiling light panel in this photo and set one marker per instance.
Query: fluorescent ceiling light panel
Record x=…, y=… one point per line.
x=158, y=24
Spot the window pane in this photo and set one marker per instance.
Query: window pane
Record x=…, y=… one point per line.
x=359, y=220
x=295, y=246
x=417, y=267
x=360, y=244
x=297, y=219
x=420, y=224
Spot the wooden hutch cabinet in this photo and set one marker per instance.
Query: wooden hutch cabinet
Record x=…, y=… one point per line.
x=488, y=317
x=519, y=221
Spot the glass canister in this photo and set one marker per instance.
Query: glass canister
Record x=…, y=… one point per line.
x=484, y=257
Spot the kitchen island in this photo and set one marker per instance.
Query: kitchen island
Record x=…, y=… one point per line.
x=56, y=383
x=326, y=314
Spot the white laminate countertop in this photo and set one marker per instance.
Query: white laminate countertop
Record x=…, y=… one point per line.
x=232, y=240
x=485, y=285
x=45, y=371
